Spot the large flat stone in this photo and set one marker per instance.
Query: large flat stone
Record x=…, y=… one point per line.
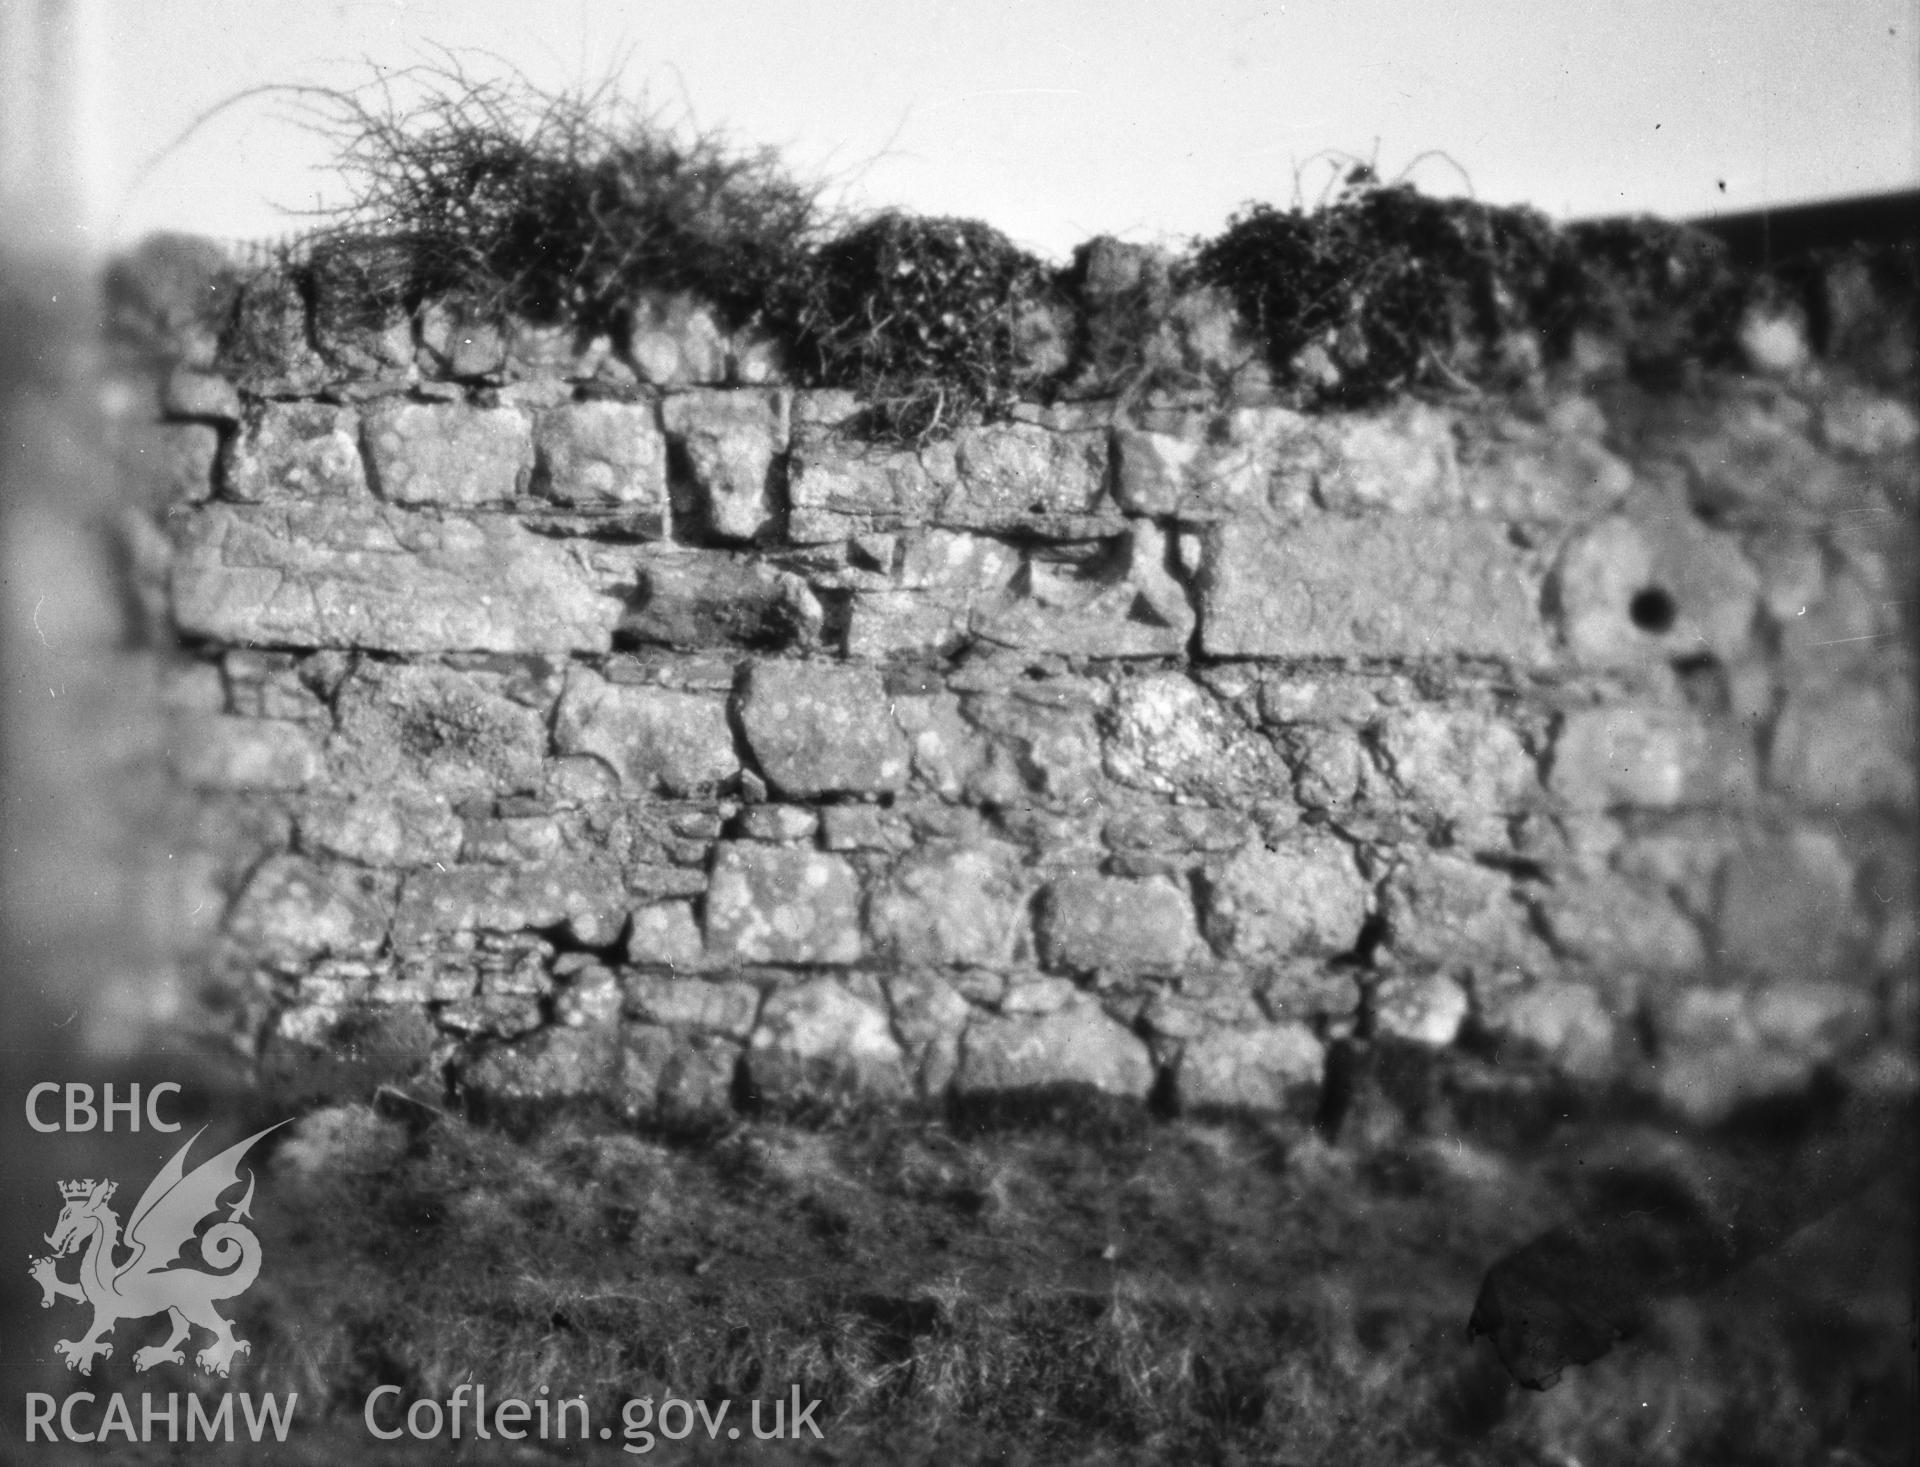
x=457, y=732
x=819, y=1038
x=448, y=454
x=658, y=740
x=347, y=575
x=1076, y=1044
x=302, y=450
x=1398, y=586
x=1270, y=902
x=1167, y=734
x=728, y=442
x=1094, y=924
x=591, y=901
x=1271, y=1069
x=773, y=904
x=1002, y=477
x=590, y=453
x=821, y=728
x=948, y=906
x=295, y=910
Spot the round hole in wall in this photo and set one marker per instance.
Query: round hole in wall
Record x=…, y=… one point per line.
x=1653, y=610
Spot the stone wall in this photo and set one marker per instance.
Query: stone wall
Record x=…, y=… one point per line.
x=565, y=720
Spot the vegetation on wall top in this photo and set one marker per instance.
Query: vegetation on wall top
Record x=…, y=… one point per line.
x=565, y=208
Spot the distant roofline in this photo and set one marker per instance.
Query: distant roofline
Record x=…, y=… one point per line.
x=1757, y=236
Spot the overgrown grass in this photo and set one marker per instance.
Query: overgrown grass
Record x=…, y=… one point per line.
x=1168, y=1292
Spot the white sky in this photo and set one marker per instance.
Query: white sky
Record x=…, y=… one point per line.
x=1059, y=119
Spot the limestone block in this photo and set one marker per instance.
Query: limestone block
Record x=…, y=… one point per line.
x=1426, y=1009
x=1175, y=828
x=1554, y=471
x=1713, y=1060
x=1399, y=459
x=714, y=599
x=934, y=581
x=1235, y=462
x=821, y=728
x=837, y=488
x=1846, y=748
x=929, y=1018
x=1786, y=908
x=950, y=905
x=1008, y=474
x=512, y=840
x=665, y=932
x=557, y=1064
x=270, y=685
x=1443, y=910
x=1044, y=752
x=693, y=1005
x=599, y=453
x=246, y=753
x=1275, y=1068
x=1099, y=924
x=674, y=1079
x=1306, y=896
x=455, y=732
x=1076, y=1044
x=773, y=904
x=1152, y=471
x=729, y=442
x=818, y=1038
x=362, y=575
x=1646, y=757
x=1752, y=464
x=448, y=454
x=1618, y=926
x=1405, y=586
x=658, y=740
x=1332, y=770
x=589, y=996
x=1629, y=593
x=458, y=340
x=294, y=909
x=492, y=1015
x=676, y=340
x=947, y=751
x=1457, y=763
x=1864, y=424
x=1168, y=735
x=590, y=900
x=1001, y=477
x=1792, y=573
x=1566, y=1023
x=1122, y=603
x=778, y=823
x=295, y=451
x=560, y=354
x=382, y=827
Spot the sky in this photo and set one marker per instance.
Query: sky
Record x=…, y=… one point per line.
x=1056, y=120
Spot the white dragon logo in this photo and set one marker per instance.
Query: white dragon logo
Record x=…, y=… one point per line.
x=164, y=1221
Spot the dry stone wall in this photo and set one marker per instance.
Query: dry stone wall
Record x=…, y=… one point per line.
x=572, y=721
